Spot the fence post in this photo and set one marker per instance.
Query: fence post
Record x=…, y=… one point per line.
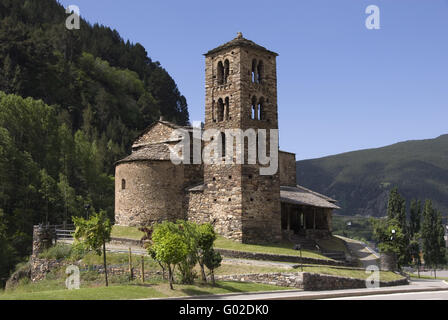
x=143, y=269
x=131, y=271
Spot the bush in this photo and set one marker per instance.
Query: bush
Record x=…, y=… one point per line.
x=59, y=251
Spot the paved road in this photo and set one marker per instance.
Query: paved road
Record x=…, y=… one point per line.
x=440, y=273
x=434, y=295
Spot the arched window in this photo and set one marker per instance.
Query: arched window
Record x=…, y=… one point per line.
x=213, y=111
x=223, y=144
x=227, y=106
x=253, y=108
x=254, y=71
x=260, y=72
x=220, y=110
x=220, y=73
x=123, y=184
x=261, y=115
x=226, y=70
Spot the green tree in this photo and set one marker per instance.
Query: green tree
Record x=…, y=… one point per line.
x=396, y=212
x=390, y=236
x=92, y=234
x=207, y=237
x=212, y=260
x=415, y=217
x=169, y=247
x=434, y=250
x=414, y=232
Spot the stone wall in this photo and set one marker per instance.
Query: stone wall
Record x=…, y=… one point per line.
x=43, y=237
x=307, y=281
x=287, y=168
x=245, y=205
x=153, y=192
x=158, y=132
x=41, y=267
x=294, y=280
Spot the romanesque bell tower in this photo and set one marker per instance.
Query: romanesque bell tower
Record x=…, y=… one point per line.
x=241, y=93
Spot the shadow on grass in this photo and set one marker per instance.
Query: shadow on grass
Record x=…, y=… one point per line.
x=199, y=286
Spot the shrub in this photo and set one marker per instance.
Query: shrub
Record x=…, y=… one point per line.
x=59, y=251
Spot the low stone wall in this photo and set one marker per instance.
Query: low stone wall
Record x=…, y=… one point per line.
x=307, y=281
x=127, y=242
x=279, y=257
x=41, y=267
x=294, y=280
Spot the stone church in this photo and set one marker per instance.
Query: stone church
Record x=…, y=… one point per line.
x=241, y=92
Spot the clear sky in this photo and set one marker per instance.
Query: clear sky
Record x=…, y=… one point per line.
x=341, y=87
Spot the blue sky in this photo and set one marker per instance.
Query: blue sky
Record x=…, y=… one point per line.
x=341, y=87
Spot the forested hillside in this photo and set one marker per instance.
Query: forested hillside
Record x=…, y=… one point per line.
x=361, y=180
x=71, y=102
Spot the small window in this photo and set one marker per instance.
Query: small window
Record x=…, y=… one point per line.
x=254, y=71
x=220, y=73
x=226, y=70
x=260, y=71
x=220, y=110
x=223, y=144
x=123, y=184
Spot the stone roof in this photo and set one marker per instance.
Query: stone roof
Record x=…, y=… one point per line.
x=295, y=195
x=303, y=196
x=239, y=41
x=156, y=151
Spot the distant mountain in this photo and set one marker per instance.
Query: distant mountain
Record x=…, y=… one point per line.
x=361, y=180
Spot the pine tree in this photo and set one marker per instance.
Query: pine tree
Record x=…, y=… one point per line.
x=434, y=249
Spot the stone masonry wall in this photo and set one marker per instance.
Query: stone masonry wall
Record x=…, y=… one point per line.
x=154, y=192
x=41, y=267
x=159, y=132
x=307, y=281
x=287, y=168
x=245, y=205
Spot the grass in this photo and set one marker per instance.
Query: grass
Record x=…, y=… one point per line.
x=352, y=273
x=135, y=291
x=223, y=243
x=281, y=248
x=126, y=232
x=332, y=244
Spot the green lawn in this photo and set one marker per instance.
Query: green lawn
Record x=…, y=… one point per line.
x=124, y=292
x=332, y=244
x=281, y=248
x=352, y=273
x=223, y=243
x=126, y=232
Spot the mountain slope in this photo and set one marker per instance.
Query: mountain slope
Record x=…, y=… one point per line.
x=361, y=180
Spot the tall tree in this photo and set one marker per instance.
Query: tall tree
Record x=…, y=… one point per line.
x=396, y=212
x=434, y=250
x=93, y=234
x=415, y=217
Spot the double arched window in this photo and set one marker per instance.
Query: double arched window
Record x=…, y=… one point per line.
x=223, y=111
x=257, y=74
x=257, y=111
x=223, y=70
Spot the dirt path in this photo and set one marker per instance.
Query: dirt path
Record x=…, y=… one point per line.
x=361, y=251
